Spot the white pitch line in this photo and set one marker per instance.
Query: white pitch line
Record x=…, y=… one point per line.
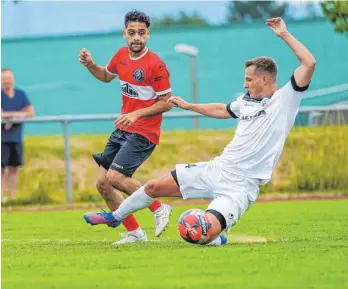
x=244, y=239
x=232, y=239
x=35, y=240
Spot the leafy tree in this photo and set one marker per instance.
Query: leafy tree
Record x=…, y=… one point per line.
x=182, y=19
x=337, y=12
x=247, y=11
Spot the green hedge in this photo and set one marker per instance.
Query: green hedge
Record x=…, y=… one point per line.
x=315, y=159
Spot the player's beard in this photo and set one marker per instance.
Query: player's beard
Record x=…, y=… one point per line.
x=136, y=48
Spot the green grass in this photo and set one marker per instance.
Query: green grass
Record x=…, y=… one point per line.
x=307, y=248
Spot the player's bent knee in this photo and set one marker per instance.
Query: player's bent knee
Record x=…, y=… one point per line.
x=116, y=179
x=216, y=231
x=152, y=188
x=218, y=219
x=101, y=185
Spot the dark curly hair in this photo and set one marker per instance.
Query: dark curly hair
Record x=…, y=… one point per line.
x=137, y=16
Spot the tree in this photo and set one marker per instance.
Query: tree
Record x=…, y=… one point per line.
x=247, y=11
x=183, y=19
x=337, y=12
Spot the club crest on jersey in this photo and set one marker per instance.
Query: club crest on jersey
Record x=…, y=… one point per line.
x=138, y=75
x=129, y=90
x=264, y=101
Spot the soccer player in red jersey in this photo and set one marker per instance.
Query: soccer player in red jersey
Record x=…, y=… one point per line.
x=145, y=86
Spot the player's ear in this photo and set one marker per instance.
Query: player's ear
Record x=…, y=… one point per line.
x=124, y=33
x=265, y=80
x=148, y=33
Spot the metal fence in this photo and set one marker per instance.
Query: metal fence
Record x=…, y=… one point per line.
x=330, y=115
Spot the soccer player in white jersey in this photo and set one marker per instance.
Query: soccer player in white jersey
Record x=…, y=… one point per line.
x=232, y=180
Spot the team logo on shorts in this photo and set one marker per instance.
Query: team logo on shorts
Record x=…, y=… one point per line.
x=138, y=75
x=190, y=166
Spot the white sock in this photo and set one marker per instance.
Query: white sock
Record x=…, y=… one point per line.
x=138, y=232
x=215, y=242
x=137, y=201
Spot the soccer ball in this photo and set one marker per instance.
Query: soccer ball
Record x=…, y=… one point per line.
x=195, y=226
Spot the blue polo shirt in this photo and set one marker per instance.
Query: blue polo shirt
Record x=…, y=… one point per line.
x=17, y=103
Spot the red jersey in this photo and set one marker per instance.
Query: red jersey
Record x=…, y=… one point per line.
x=142, y=80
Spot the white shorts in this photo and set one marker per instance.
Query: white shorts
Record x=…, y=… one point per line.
x=232, y=194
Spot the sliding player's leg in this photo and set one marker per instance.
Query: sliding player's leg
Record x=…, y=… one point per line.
x=188, y=181
x=234, y=196
x=164, y=186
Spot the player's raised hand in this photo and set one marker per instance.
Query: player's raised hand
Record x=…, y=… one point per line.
x=277, y=25
x=179, y=102
x=85, y=57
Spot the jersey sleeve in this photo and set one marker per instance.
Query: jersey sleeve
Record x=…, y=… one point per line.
x=160, y=78
x=233, y=108
x=111, y=67
x=292, y=93
x=296, y=87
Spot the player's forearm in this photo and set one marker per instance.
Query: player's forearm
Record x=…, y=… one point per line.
x=99, y=72
x=215, y=110
x=18, y=114
x=5, y=115
x=301, y=52
x=157, y=108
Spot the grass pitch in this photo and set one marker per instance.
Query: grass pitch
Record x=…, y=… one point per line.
x=275, y=245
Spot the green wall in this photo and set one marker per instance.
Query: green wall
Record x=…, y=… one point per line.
x=49, y=70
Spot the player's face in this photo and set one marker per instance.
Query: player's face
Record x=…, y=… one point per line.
x=136, y=35
x=253, y=82
x=7, y=80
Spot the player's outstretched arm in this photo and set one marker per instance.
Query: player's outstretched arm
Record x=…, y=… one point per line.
x=125, y=120
x=96, y=70
x=159, y=107
x=214, y=110
x=303, y=74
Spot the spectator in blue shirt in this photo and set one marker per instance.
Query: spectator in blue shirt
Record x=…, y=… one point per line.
x=14, y=104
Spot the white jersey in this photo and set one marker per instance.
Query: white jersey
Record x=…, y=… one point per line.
x=261, y=133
